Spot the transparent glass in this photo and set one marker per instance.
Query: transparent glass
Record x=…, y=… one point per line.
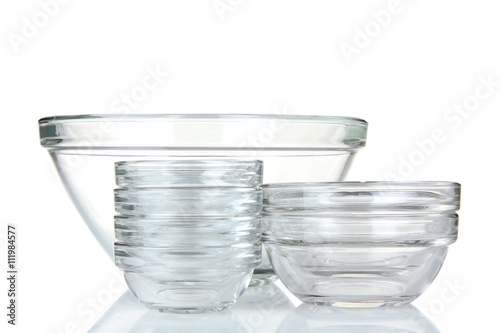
x=188, y=248
x=359, y=244
x=293, y=148
x=181, y=280
x=233, y=173
x=184, y=201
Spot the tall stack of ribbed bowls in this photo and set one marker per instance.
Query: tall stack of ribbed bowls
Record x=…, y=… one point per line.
x=188, y=232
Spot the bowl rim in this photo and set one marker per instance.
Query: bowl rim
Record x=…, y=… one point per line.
x=373, y=185
x=242, y=246
x=167, y=218
x=166, y=189
x=199, y=116
x=233, y=132
x=168, y=165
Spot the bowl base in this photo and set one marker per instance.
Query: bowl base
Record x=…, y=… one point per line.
x=187, y=310
x=335, y=302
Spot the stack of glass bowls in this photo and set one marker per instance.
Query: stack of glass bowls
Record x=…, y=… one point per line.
x=188, y=232
x=359, y=244
x=188, y=200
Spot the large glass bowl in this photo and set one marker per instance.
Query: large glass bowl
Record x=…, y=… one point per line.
x=84, y=149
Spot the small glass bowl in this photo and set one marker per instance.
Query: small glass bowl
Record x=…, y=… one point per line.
x=178, y=201
x=359, y=244
x=183, y=230
x=187, y=279
x=195, y=173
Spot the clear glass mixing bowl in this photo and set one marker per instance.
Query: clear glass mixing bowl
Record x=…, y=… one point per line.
x=84, y=149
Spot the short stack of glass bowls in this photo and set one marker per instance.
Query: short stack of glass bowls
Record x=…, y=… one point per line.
x=188, y=233
x=359, y=244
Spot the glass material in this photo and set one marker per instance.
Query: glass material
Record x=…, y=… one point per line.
x=293, y=148
x=210, y=200
x=215, y=230
x=189, y=173
x=359, y=244
x=188, y=249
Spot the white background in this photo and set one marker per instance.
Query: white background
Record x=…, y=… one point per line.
x=256, y=56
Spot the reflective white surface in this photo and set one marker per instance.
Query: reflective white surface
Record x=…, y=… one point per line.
x=319, y=319
x=263, y=309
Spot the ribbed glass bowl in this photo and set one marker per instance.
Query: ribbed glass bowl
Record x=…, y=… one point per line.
x=188, y=279
x=189, y=173
x=85, y=148
x=181, y=230
x=188, y=236
x=185, y=201
x=359, y=244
